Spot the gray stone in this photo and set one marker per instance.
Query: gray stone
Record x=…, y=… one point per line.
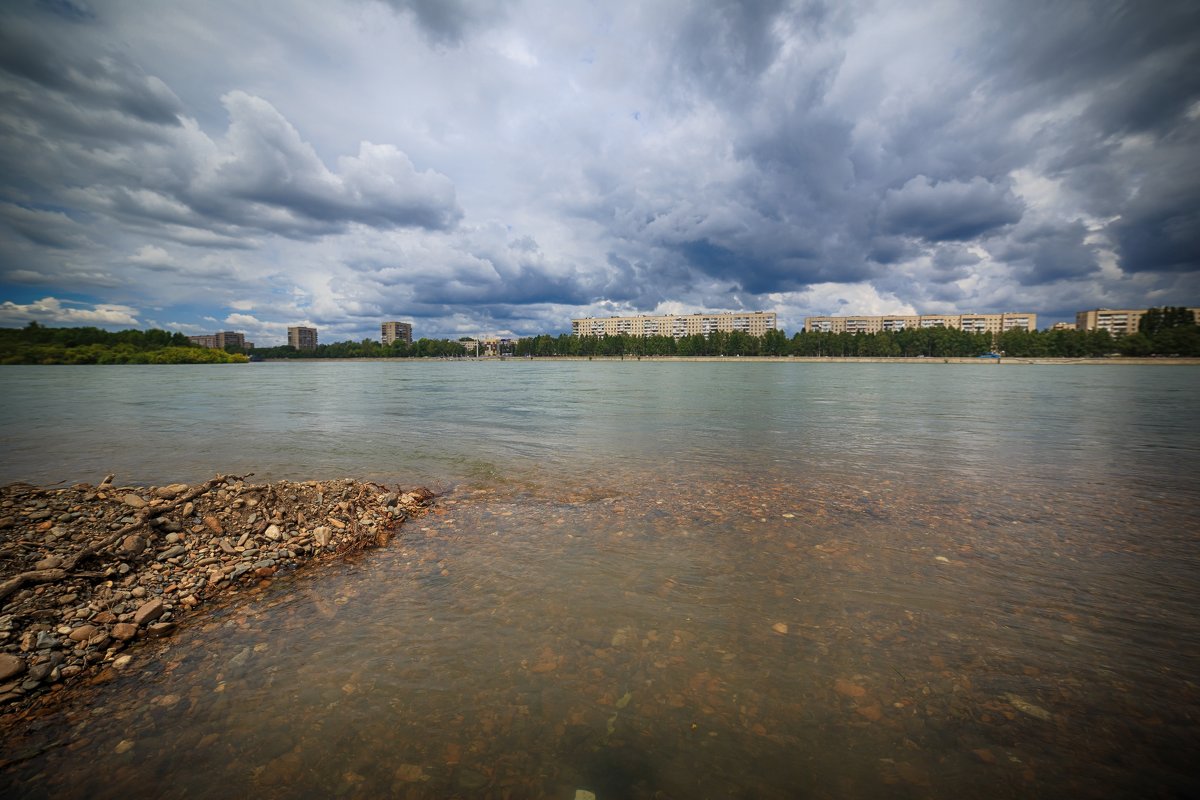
x=177, y=550
x=46, y=640
x=148, y=612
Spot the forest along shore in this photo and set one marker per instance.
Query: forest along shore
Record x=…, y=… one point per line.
x=86, y=569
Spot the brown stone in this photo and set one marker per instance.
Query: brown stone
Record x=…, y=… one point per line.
x=133, y=501
x=124, y=631
x=133, y=544
x=104, y=618
x=984, y=755
x=160, y=629
x=848, y=689
x=148, y=612
x=83, y=633
x=410, y=773
x=213, y=524
x=872, y=712
x=10, y=666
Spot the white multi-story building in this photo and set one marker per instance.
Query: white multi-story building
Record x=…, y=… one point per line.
x=973, y=323
x=754, y=323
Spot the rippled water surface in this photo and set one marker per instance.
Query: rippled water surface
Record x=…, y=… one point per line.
x=659, y=580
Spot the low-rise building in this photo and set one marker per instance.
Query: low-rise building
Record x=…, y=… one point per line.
x=395, y=332
x=302, y=338
x=754, y=323
x=892, y=323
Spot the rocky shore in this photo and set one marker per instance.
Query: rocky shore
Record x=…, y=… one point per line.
x=85, y=570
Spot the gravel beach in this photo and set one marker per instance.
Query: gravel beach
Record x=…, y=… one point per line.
x=85, y=569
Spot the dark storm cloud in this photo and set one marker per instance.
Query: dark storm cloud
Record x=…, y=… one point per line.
x=721, y=45
x=112, y=140
x=947, y=211
x=448, y=22
x=1138, y=57
x=109, y=82
x=1045, y=253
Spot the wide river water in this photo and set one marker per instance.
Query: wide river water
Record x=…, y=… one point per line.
x=658, y=580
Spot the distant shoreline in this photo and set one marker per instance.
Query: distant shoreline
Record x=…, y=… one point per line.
x=1122, y=360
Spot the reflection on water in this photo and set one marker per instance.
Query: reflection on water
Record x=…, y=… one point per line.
x=741, y=582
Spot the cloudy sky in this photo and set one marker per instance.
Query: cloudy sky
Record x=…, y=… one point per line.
x=499, y=167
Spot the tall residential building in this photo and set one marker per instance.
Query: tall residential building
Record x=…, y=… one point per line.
x=1118, y=322
x=755, y=323
x=220, y=341
x=302, y=338
x=972, y=323
x=396, y=331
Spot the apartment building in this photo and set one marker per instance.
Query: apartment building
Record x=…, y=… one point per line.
x=892, y=323
x=754, y=323
x=302, y=338
x=1117, y=321
x=396, y=332
x=219, y=341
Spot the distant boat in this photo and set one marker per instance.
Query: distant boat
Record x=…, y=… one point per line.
x=989, y=355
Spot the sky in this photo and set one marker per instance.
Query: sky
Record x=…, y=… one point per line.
x=500, y=167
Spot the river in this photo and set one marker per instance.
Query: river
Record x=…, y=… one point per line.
x=645, y=579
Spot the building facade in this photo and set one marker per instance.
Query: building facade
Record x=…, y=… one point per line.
x=972, y=323
x=1117, y=321
x=395, y=332
x=755, y=323
x=302, y=338
x=219, y=341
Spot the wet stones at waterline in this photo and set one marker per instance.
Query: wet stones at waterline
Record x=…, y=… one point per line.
x=87, y=569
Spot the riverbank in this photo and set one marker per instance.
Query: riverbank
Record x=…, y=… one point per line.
x=85, y=570
x=1121, y=360
x=1165, y=361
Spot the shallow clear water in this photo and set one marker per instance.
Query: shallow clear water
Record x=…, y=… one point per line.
x=660, y=579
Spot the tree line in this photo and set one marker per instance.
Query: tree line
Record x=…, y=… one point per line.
x=369, y=348
x=37, y=344
x=1180, y=340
